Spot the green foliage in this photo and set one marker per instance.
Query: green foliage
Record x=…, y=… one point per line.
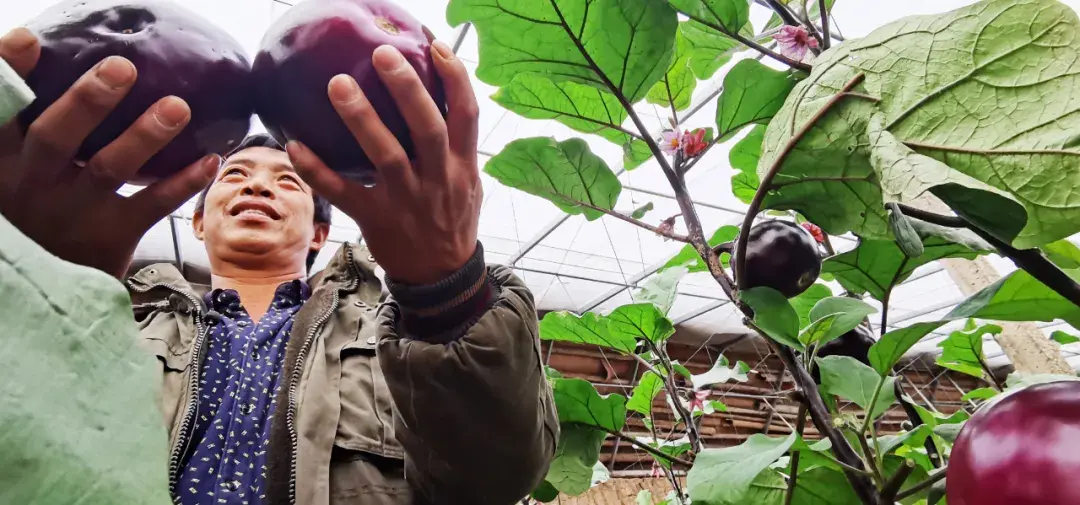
x=677, y=86
x=660, y=289
x=752, y=94
x=721, y=373
x=744, y=157
x=646, y=390
x=824, y=486
x=578, y=402
x=586, y=329
x=876, y=265
x=566, y=173
x=724, y=476
x=1063, y=253
x=624, y=43
x=640, y=212
x=833, y=317
x=571, y=471
x=979, y=394
x=1063, y=338
x=993, y=161
x=806, y=301
x=962, y=351
x=891, y=347
x=845, y=377
x=730, y=15
x=774, y=315
x=711, y=49
x=545, y=492
x=689, y=258
x=1019, y=297
x=640, y=320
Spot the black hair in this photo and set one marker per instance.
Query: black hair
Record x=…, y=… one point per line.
x=322, y=206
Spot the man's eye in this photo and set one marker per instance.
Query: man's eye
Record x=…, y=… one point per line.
x=291, y=179
x=232, y=171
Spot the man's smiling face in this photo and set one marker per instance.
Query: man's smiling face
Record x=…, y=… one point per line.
x=259, y=208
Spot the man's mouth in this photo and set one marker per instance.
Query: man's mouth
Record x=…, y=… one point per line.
x=255, y=210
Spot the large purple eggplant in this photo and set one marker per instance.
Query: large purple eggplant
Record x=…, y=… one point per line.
x=318, y=39
x=175, y=51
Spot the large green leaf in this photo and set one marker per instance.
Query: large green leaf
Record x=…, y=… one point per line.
x=891, y=347
x=660, y=289
x=567, y=173
x=963, y=350
x=752, y=94
x=578, y=402
x=646, y=390
x=724, y=476
x=720, y=373
x=744, y=158
x=774, y=315
x=1019, y=297
x=677, y=86
x=875, y=265
x=824, y=486
x=584, y=108
x=845, y=377
x=624, y=43
x=833, y=317
x=545, y=492
x=806, y=301
x=933, y=75
x=768, y=488
x=571, y=471
x=730, y=15
x=711, y=49
x=1063, y=253
x=586, y=329
x=640, y=320
x=689, y=258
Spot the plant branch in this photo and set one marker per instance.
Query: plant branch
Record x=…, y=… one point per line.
x=873, y=402
x=641, y=224
x=819, y=414
x=673, y=394
x=868, y=457
x=800, y=425
x=828, y=244
x=643, y=446
x=993, y=380
x=934, y=477
x=888, y=493
x=888, y=293
x=766, y=182
x=648, y=366
x=1030, y=260
x=754, y=45
x=824, y=12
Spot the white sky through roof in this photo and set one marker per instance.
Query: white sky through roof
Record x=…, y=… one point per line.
x=568, y=262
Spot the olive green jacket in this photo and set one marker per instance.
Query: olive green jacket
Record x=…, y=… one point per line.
x=365, y=414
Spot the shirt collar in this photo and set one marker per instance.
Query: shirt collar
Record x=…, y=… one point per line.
x=287, y=294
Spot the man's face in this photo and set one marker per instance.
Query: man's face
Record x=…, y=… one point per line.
x=258, y=209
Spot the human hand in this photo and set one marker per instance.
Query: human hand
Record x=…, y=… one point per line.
x=71, y=207
x=420, y=218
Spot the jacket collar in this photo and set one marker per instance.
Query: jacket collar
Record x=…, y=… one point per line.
x=155, y=282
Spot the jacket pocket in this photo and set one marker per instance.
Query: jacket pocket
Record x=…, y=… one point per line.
x=363, y=478
x=366, y=423
x=160, y=335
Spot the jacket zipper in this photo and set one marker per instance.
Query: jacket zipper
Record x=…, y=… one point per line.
x=298, y=367
x=192, y=407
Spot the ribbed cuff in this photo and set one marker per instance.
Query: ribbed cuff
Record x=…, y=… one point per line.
x=444, y=311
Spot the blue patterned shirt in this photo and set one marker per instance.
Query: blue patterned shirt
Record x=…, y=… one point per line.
x=237, y=384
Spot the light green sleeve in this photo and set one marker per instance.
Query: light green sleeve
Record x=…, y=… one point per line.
x=79, y=421
x=15, y=95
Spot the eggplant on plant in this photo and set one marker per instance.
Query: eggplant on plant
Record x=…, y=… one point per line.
x=974, y=107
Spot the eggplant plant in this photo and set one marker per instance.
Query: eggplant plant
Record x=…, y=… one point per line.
x=974, y=108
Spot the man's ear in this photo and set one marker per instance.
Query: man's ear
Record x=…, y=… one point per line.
x=322, y=233
x=197, y=224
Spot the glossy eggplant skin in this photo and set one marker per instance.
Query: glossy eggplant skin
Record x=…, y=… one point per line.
x=316, y=40
x=783, y=256
x=1022, y=450
x=853, y=344
x=175, y=51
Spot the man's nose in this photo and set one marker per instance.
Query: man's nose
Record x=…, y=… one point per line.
x=256, y=186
